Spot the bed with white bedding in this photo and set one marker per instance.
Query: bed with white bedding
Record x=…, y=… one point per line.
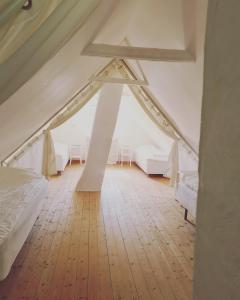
x=22, y=194
x=187, y=190
x=151, y=160
x=62, y=155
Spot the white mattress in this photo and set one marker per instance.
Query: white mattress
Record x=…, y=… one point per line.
x=62, y=155
x=22, y=193
x=151, y=160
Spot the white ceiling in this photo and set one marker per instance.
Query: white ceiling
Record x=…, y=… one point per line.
x=177, y=86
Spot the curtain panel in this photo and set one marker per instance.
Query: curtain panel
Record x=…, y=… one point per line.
x=36, y=39
x=16, y=29
x=9, y=9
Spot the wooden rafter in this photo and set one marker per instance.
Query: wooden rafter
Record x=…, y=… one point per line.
x=138, y=53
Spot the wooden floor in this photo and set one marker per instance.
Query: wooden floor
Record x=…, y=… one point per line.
x=130, y=242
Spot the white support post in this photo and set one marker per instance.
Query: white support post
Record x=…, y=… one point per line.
x=103, y=129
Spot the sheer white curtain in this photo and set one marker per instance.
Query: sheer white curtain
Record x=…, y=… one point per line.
x=17, y=25
x=31, y=37
x=9, y=9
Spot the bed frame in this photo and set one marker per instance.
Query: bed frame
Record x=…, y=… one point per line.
x=151, y=160
x=186, y=196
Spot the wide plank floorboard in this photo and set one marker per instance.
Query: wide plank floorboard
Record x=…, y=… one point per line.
x=128, y=242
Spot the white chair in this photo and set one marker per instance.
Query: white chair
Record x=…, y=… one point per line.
x=75, y=153
x=126, y=154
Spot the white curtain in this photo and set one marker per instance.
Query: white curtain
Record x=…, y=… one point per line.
x=20, y=25
x=34, y=35
x=9, y=9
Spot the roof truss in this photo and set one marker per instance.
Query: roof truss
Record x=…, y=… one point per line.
x=127, y=81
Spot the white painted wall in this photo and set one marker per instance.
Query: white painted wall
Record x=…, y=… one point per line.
x=134, y=127
x=78, y=129
x=32, y=158
x=217, y=259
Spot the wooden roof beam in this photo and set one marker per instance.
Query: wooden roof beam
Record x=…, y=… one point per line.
x=138, y=53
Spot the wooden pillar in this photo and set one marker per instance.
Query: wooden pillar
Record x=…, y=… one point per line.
x=101, y=139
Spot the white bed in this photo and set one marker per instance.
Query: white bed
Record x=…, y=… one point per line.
x=62, y=155
x=187, y=190
x=151, y=160
x=22, y=194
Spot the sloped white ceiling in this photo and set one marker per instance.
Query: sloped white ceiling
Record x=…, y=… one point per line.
x=146, y=23
x=157, y=24
x=177, y=86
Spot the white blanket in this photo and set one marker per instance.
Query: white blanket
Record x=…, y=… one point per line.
x=62, y=155
x=21, y=196
x=151, y=160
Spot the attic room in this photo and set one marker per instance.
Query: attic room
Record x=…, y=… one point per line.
x=134, y=132
x=119, y=127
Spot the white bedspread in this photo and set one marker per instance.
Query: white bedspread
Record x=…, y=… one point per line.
x=62, y=155
x=22, y=193
x=17, y=188
x=151, y=152
x=151, y=160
